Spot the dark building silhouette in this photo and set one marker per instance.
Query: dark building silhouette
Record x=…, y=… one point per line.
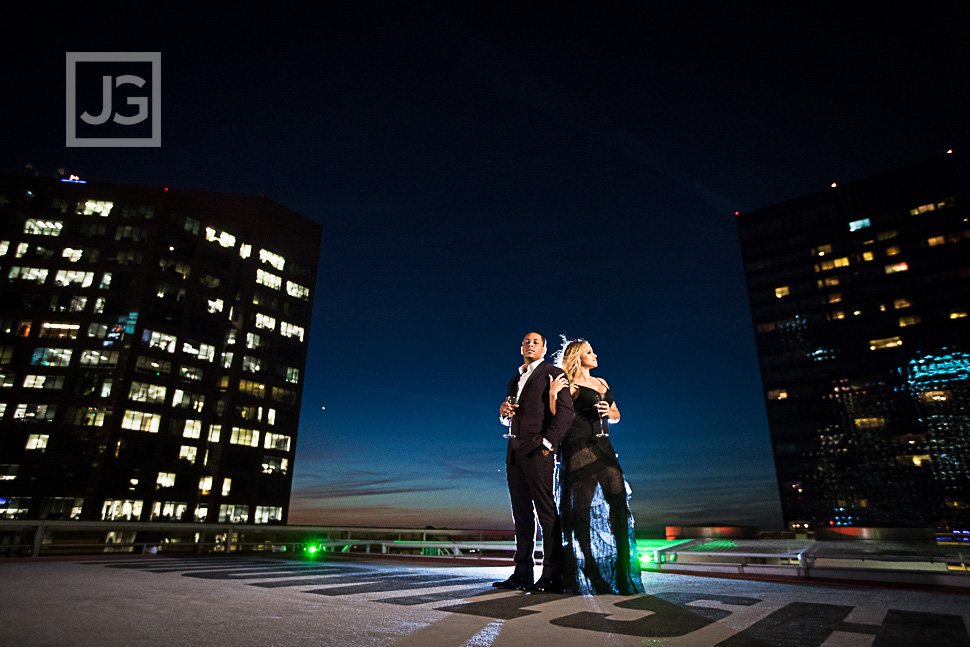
x=152, y=351
x=860, y=297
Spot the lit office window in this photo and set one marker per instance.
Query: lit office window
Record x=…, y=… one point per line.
x=13, y=507
x=159, y=340
x=297, y=290
x=909, y=321
x=914, y=460
x=269, y=280
x=215, y=305
x=59, y=330
x=292, y=330
x=896, y=267
x=276, y=441
x=201, y=513
x=892, y=251
x=841, y=262
x=190, y=373
x=121, y=509
x=36, y=274
x=178, y=268
x=782, y=291
x=958, y=314
x=252, y=364
x=224, y=239
x=188, y=400
x=215, y=431
x=868, y=256
x=275, y=465
x=226, y=486
x=266, y=514
x=4, y=246
x=43, y=227
x=275, y=260
x=192, y=429
x=935, y=240
x=88, y=416
x=245, y=250
x=870, y=423
x=855, y=225
x=188, y=453
x=51, y=357
x=37, y=441
x=265, y=321
x=923, y=208
x=822, y=250
x=99, y=359
x=234, y=513
x=254, y=389
x=777, y=394
x=165, y=479
x=888, y=342
x=901, y=303
x=146, y=392
x=95, y=207
x=205, y=485
x=241, y=436
x=835, y=297
x=202, y=351
x=44, y=382
x=934, y=397
x=168, y=510
x=141, y=421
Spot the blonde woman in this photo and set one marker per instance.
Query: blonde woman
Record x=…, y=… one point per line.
x=601, y=552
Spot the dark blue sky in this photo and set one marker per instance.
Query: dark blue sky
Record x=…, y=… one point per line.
x=483, y=173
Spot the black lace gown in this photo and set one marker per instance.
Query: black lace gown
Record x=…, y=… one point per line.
x=601, y=550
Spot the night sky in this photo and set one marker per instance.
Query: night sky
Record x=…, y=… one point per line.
x=480, y=174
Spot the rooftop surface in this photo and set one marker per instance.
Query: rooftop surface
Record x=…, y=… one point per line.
x=155, y=600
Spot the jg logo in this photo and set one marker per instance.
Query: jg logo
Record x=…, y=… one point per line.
x=114, y=99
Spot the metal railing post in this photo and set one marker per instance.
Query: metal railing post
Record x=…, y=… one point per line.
x=38, y=539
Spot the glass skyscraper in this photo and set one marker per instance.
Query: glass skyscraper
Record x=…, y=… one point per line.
x=152, y=352
x=860, y=296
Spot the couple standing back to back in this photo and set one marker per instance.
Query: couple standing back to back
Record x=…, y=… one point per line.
x=540, y=418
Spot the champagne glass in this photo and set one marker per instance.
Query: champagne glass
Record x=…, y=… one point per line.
x=511, y=401
x=604, y=419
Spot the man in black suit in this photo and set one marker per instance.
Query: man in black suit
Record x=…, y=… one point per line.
x=530, y=463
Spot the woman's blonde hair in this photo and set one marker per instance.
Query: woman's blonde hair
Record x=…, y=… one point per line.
x=571, y=358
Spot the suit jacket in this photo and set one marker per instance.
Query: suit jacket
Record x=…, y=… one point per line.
x=533, y=420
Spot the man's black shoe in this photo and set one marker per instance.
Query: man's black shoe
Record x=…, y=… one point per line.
x=545, y=585
x=514, y=582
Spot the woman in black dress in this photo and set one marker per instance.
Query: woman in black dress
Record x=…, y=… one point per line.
x=601, y=550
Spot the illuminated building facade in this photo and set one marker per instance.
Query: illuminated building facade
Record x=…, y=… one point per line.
x=860, y=297
x=152, y=352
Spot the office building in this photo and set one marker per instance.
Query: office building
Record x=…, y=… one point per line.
x=152, y=352
x=860, y=296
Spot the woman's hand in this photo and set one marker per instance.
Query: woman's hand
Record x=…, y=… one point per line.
x=557, y=384
x=602, y=408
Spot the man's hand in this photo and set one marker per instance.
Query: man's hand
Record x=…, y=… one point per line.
x=507, y=410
